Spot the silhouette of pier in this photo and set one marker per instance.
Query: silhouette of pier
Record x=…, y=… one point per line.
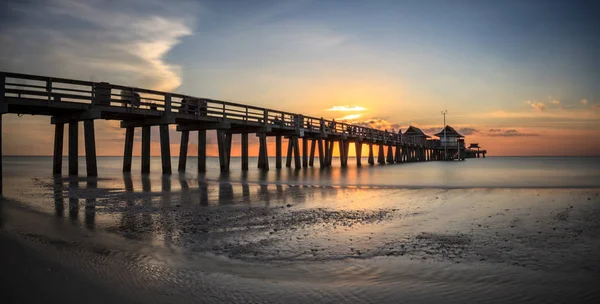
x=69, y=101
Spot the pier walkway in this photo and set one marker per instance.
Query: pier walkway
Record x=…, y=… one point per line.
x=69, y=101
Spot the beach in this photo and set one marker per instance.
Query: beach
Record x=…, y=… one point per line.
x=492, y=230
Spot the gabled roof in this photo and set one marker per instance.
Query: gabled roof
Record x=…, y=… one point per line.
x=414, y=131
x=450, y=132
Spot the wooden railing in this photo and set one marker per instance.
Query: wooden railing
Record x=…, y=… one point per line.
x=110, y=95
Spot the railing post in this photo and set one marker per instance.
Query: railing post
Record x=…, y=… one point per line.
x=266, y=117
x=49, y=88
x=2, y=85
x=167, y=104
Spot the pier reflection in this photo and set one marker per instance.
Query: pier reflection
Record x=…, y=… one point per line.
x=162, y=208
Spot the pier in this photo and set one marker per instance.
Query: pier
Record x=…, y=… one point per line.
x=69, y=102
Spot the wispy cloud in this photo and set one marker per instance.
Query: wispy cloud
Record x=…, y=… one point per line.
x=555, y=101
x=350, y=117
x=347, y=108
x=468, y=131
x=126, y=42
x=380, y=124
x=584, y=101
x=536, y=105
x=508, y=133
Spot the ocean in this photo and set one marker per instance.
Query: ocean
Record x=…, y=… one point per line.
x=494, y=230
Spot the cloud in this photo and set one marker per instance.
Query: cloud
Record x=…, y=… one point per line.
x=584, y=101
x=555, y=101
x=508, y=133
x=125, y=42
x=350, y=117
x=468, y=131
x=347, y=108
x=380, y=124
x=538, y=106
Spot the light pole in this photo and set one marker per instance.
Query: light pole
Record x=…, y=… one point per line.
x=445, y=139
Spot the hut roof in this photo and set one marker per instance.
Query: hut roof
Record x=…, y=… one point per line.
x=414, y=131
x=450, y=132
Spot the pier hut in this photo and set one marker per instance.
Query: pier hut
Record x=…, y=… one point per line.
x=474, y=151
x=416, y=143
x=452, y=143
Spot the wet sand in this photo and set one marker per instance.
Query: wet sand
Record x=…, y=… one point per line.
x=190, y=241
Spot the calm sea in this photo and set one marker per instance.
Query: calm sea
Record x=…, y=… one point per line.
x=491, y=172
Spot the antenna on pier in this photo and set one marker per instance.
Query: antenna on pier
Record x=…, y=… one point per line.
x=445, y=139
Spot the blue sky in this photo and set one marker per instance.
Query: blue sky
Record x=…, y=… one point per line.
x=530, y=66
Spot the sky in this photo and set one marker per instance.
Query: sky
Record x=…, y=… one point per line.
x=517, y=77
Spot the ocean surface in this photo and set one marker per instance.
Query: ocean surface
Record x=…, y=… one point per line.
x=494, y=230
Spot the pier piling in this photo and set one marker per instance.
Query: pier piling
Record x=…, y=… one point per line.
x=165, y=149
x=59, y=131
x=73, y=148
x=128, y=153
x=278, y=152
x=201, y=151
x=358, y=152
x=321, y=153
x=381, y=155
x=304, y=152
x=146, y=149
x=390, y=155
x=183, y=149
x=244, y=151
x=313, y=145
x=90, y=148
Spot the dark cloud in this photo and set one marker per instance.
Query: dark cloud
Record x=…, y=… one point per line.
x=378, y=123
x=508, y=133
x=468, y=131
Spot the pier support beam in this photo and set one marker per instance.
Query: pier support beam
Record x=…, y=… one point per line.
x=313, y=145
x=371, y=158
x=73, y=148
x=264, y=153
x=321, y=153
x=381, y=155
x=398, y=156
x=358, y=151
x=165, y=149
x=183, y=149
x=342, y=149
x=145, y=149
x=278, y=151
x=326, y=160
x=59, y=131
x=244, y=151
x=290, y=151
x=224, y=146
x=1, y=101
x=90, y=148
x=330, y=160
x=128, y=153
x=305, y=152
x=201, y=150
x=390, y=155
x=297, y=161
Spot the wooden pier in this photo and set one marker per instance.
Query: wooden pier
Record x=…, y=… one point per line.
x=70, y=102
